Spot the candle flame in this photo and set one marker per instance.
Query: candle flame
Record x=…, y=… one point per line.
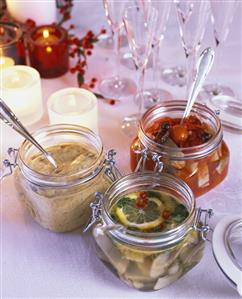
x=2, y=60
x=46, y=33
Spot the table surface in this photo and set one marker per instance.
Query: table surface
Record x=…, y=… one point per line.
x=37, y=263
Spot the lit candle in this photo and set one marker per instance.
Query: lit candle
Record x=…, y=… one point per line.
x=6, y=61
x=21, y=90
x=11, y=44
x=74, y=106
x=48, y=50
x=42, y=12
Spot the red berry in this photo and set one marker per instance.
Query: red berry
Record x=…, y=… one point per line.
x=89, y=34
x=111, y=102
x=141, y=202
x=94, y=80
x=91, y=85
x=166, y=214
x=103, y=31
x=89, y=53
x=143, y=195
x=75, y=41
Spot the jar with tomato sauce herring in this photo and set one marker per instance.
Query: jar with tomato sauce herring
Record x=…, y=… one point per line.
x=192, y=149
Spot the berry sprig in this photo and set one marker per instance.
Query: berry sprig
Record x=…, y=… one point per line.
x=80, y=49
x=65, y=11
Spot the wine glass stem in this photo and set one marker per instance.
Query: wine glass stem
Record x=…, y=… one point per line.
x=141, y=89
x=116, y=34
x=156, y=65
x=191, y=71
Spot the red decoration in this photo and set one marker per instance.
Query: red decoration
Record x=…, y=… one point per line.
x=48, y=50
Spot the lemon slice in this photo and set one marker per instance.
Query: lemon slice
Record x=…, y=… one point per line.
x=143, y=219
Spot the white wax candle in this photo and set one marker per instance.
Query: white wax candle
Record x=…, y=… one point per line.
x=42, y=11
x=21, y=90
x=73, y=106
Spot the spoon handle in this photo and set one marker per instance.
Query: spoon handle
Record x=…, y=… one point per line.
x=204, y=65
x=7, y=115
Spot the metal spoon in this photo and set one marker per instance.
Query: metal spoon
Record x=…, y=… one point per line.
x=204, y=65
x=7, y=115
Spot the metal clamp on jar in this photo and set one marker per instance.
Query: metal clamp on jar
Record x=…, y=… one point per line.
x=59, y=198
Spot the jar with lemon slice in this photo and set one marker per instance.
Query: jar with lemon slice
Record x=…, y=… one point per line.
x=147, y=229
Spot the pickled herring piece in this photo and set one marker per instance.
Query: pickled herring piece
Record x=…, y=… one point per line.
x=203, y=175
x=168, y=279
x=159, y=265
x=222, y=165
x=111, y=252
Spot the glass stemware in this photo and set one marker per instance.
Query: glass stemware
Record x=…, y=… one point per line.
x=140, y=28
x=157, y=94
x=222, y=14
x=116, y=86
x=192, y=19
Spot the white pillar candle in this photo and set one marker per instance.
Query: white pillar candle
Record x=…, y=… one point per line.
x=73, y=106
x=21, y=91
x=42, y=11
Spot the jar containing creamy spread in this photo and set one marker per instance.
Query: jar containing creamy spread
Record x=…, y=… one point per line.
x=192, y=149
x=148, y=230
x=58, y=199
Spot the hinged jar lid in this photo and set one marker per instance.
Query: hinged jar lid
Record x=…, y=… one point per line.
x=227, y=249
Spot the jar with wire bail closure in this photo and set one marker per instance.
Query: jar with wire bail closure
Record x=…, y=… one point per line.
x=147, y=229
x=194, y=151
x=58, y=199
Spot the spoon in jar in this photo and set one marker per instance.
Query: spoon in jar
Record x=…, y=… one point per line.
x=204, y=65
x=7, y=116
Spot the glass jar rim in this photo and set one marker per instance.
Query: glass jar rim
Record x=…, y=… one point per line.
x=188, y=152
x=18, y=33
x=143, y=239
x=82, y=176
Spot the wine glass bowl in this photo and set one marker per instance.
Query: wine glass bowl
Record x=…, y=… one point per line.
x=192, y=18
x=222, y=14
x=116, y=86
x=140, y=27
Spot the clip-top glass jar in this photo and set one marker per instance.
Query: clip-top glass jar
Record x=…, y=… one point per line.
x=149, y=260
x=202, y=166
x=58, y=199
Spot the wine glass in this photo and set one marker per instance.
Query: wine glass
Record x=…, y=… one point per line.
x=116, y=86
x=192, y=19
x=222, y=14
x=157, y=94
x=140, y=28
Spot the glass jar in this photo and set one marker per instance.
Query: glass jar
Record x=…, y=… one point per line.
x=61, y=202
x=148, y=261
x=202, y=167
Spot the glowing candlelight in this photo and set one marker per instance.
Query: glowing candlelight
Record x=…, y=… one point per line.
x=48, y=50
x=6, y=62
x=46, y=33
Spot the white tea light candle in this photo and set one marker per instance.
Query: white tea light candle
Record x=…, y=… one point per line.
x=41, y=11
x=21, y=90
x=73, y=106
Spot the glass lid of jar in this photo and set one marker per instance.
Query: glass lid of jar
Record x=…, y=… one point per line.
x=227, y=249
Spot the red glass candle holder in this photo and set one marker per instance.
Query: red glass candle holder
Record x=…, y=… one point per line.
x=48, y=50
x=11, y=44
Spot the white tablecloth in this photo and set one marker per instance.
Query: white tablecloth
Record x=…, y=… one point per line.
x=36, y=263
